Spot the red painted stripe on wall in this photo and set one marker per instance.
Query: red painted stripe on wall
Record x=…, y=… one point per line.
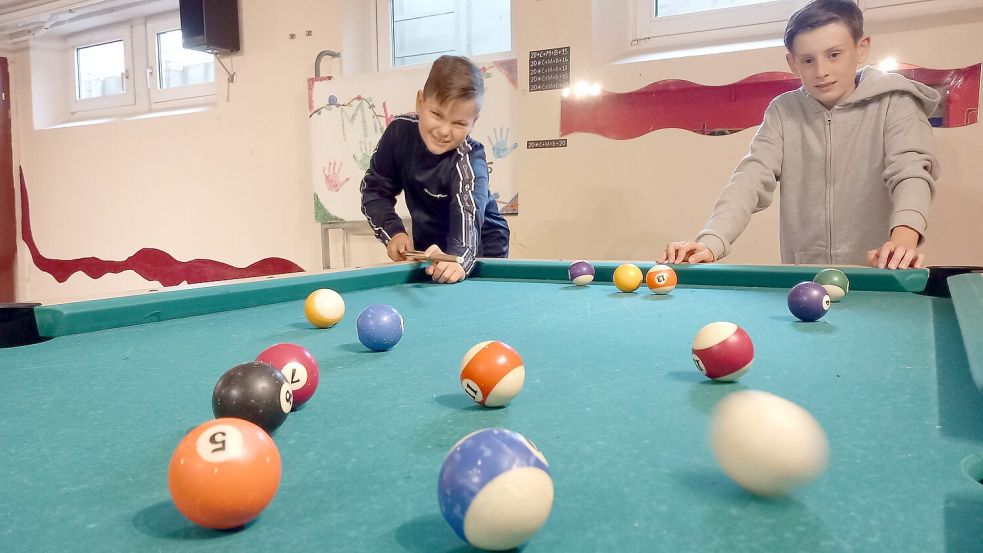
x=150, y=263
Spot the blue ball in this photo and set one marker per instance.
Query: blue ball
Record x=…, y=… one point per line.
x=808, y=301
x=379, y=327
x=495, y=489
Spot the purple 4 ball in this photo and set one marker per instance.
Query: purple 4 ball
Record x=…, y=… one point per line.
x=808, y=301
x=581, y=273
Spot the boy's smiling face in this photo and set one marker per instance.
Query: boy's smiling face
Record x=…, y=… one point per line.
x=826, y=59
x=444, y=127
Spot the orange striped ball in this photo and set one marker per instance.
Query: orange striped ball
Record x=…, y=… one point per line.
x=492, y=373
x=661, y=279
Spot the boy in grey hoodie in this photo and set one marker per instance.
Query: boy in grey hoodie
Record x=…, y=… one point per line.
x=853, y=151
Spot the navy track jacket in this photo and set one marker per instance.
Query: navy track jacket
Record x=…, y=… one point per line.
x=447, y=195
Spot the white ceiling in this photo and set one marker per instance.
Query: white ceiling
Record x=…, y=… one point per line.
x=21, y=20
x=7, y=6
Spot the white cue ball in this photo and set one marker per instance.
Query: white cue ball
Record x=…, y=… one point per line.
x=767, y=444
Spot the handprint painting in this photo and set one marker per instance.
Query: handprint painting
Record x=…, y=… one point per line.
x=332, y=180
x=349, y=114
x=499, y=143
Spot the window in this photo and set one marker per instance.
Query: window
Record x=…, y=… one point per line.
x=690, y=22
x=177, y=67
x=101, y=68
x=679, y=24
x=666, y=8
x=175, y=73
x=103, y=62
x=419, y=31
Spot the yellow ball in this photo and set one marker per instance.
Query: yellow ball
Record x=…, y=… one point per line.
x=627, y=277
x=324, y=308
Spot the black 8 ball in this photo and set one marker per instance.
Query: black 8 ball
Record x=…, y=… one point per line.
x=256, y=392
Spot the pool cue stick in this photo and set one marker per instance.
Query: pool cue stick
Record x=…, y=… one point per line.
x=415, y=255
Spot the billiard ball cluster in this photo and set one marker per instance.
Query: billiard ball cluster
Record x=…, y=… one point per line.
x=495, y=488
x=379, y=327
x=660, y=279
x=765, y=443
x=810, y=301
x=298, y=366
x=226, y=471
x=256, y=392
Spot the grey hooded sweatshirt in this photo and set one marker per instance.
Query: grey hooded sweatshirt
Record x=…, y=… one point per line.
x=848, y=175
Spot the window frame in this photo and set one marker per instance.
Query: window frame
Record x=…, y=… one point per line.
x=174, y=96
x=875, y=10
x=723, y=23
x=744, y=24
x=384, y=35
x=87, y=39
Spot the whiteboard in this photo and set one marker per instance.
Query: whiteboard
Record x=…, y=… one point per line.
x=349, y=113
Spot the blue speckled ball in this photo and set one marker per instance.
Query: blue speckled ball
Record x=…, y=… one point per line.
x=379, y=327
x=495, y=489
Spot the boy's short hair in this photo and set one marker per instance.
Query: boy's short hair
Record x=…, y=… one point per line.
x=817, y=13
x=454, y=78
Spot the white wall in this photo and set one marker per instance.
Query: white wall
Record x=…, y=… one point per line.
x=233, y=183
x=230, y=184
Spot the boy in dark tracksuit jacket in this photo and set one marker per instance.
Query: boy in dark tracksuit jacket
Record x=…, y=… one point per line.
x=442, y=171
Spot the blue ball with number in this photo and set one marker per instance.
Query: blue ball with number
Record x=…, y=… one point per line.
x=808, y=301
x=495, y=489
x=379, y=327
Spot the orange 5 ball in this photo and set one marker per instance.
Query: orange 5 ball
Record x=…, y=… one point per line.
x=224, y=473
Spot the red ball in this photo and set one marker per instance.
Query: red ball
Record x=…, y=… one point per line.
x=297, y=365
x=723, y=351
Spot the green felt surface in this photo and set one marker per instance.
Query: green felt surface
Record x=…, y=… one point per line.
x=967, y=298
x=612, y=399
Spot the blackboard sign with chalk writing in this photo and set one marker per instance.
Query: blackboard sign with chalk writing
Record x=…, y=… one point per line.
x=549, y=69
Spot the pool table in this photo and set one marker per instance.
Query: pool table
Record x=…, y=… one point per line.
x=92, y=413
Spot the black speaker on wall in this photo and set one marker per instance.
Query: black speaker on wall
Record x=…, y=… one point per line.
x=210, y=25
